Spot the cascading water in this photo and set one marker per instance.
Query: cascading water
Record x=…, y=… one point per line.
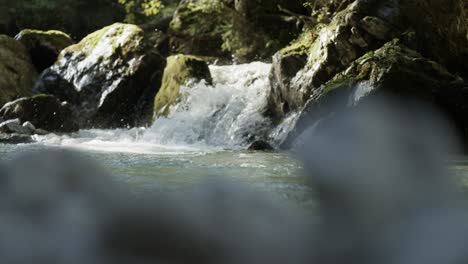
x=227, y=114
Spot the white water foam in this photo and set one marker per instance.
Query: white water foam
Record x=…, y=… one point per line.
x=227, y=114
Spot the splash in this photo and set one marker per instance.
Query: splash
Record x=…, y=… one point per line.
x=225, y=115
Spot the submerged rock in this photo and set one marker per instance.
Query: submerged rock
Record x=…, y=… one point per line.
x=17, y=73
x=393, y=69
x=179, y=71
x=44, y=46
x=43, y=111
x=111, y=76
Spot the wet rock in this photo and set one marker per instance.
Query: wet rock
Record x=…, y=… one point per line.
x=16, y=70
x=15, y=139
x=392, y=70
x=179, y=71
x=111, y=77
x=365, y=26
x=14, y=126
x=260, y=145
x=41, y=132
x=29, y=127
x=43, y=111
x=286, y=64
x=44, y=46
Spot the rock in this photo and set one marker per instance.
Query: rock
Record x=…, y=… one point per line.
x=392, y=70
x=44, y=111
x=365, y=26
x=16, y=70
x=14, y=126
x=260, y=146
x=179, y=71
x=15, y=139
x=41, y=132
x=44, y=46
x=111, y=76
x=29, y=127
x=286, y=64
x=376, y=27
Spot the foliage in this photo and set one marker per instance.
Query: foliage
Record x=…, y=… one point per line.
x=135, y=8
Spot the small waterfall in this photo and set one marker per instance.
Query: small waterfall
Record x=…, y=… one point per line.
x=227, y=113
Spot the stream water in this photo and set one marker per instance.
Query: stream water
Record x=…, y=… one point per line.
x=205, y=136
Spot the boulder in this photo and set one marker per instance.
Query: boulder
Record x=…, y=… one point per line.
x=363, y=26
x=111, y=76
x=179, y=71
x=394, y=70
x=44, y=46
x=16, y=70
x=43, y=111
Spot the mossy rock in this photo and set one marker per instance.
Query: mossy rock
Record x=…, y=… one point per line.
x=393, y=70
x=44, y=46
x=179, y=71
x=111, y=76
x=16, y=70
x=431, y=27
x=43, y=111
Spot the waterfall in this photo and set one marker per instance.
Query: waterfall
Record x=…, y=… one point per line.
x=226, y=114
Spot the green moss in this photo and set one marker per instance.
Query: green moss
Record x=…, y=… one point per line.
x=179, y=70
x=56, y=39
x=16, y=70
x=300, y=46
x=111, y=32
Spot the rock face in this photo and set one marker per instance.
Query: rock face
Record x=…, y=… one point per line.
x=44, y=111
x=179, y=71
x=16, y=70
x=361, y=27
x=394, y=70
x=111, y=76
x=44, y=46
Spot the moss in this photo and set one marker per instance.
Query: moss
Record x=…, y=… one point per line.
x=55, y=39
x=302, y=45
x=16, y=70
x=110, y=32
x=179, y=70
